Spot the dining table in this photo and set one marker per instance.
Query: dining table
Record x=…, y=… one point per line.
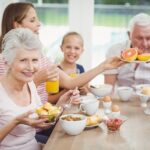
x=134, y=133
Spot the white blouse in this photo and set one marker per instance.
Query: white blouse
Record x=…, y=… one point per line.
x=22, y=136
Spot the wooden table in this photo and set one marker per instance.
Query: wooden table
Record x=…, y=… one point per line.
x=134, y=134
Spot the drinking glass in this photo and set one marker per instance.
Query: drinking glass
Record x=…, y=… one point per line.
x=52, y=86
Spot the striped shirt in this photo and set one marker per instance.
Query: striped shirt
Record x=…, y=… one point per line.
x=41, y=88
x=2, y=65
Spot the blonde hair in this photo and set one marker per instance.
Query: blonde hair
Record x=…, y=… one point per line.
x=72, y=34
x=18, y=39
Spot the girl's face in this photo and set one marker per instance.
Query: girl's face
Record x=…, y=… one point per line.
x=31, y=21
x=24, y=66
x=72, y=48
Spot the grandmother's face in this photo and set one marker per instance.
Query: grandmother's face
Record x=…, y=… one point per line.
x=24, y=65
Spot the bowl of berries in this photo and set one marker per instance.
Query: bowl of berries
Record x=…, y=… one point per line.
x=113, y=124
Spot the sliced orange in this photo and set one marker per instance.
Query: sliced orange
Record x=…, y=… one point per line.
x=144, y=57
x=130, y=54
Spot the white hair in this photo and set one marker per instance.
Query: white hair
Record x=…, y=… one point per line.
x=18, y=39
x=140, y=19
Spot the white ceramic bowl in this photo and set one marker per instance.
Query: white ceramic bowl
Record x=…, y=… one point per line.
x=73, y=127
x=101, y=90
x=124, y=92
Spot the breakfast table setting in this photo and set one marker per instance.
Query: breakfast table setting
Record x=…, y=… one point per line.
x=122, y=121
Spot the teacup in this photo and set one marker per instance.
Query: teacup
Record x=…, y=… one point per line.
x=89, y=106
x=124, y=92
x=88, y=97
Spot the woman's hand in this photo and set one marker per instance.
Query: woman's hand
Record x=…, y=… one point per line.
x=112, y=63
x=34, y=122
x=47, y=73
x=72, y=95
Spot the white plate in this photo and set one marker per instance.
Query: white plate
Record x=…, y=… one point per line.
x=102, y=115
x=135, y=61
x=140, y=86
x=141, y=94
x=93, y=126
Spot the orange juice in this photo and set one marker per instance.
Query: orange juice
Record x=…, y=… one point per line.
x=52, y=86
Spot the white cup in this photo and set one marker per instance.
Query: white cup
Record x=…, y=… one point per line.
x=88, y=97
x=89, y=106
x=124, y=92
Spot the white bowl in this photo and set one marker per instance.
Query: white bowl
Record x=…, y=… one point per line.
x=73, y=127
x=124, y=92
x=101, y=90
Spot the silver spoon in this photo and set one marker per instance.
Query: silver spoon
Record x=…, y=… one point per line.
x=69, y=104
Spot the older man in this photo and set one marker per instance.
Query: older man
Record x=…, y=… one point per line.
x=139, y=37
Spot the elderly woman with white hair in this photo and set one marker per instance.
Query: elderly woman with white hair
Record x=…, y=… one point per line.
x=139, y=37
x=21, y=50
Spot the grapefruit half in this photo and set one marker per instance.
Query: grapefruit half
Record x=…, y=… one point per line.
x=129, y=54
x=144, y=57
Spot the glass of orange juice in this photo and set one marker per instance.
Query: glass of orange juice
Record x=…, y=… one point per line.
x=52, y=86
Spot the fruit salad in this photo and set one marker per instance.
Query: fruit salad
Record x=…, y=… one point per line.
x=113, y=124
x=49, y=111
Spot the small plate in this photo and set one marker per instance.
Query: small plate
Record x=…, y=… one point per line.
x=100, y=114
x=93, y=126
x=139, y=93
x=140, y=86
x=135, y=61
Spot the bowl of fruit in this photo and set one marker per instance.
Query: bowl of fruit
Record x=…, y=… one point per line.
x=113, y=124
x=52, y=113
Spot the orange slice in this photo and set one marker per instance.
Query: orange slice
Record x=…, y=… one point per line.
x=129, y=54
x=144, y=57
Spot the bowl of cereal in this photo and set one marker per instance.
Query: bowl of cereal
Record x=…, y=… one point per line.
x=73, y=124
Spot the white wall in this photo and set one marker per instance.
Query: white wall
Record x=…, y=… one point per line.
x=80, y=20
x=81, y=14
